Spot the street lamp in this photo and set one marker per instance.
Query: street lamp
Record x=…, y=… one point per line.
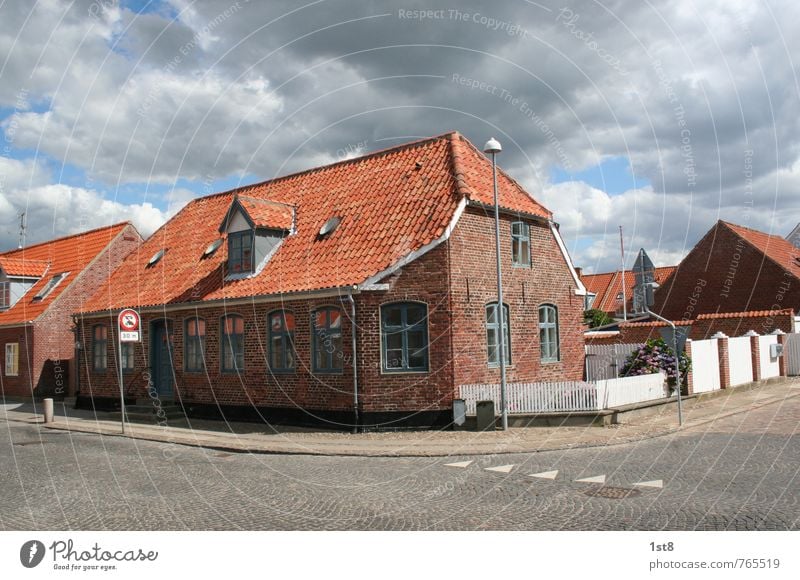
x=655, y=285
x=493, y=147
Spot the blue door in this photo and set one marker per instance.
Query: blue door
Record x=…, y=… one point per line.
x=162, y=352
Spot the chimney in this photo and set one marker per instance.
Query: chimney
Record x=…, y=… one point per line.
x=579, y=272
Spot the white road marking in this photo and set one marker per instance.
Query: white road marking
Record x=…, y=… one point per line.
x=545, y=474
x=595, y=479
x=458, y=464
x=501, y=468
x=657, y=483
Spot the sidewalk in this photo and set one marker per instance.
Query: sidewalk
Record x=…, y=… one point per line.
x=259, y=438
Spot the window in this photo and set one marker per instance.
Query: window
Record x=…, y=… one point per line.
x=404, y=334
x=54, y=281
x=194, y=345
x=548, y=333
x=5, y=295
x=327, y=340
x=127, y=356
x=240, y=252
x=12, y=359
x=232, y=343
x=520, y=244
x=492, y=336
x=281, y=341
x=100, y=347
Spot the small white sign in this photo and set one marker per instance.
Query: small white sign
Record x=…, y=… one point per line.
x=129, y=336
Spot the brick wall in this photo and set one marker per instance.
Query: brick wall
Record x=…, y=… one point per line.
x=725, y=274
x=547, y=280
x=20, y=385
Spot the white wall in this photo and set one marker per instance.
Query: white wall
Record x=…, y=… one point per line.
x=705, y=365
x=769, y=365
x=740, y=359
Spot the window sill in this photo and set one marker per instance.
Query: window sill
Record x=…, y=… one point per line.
x=402, y=372
x=497, y=366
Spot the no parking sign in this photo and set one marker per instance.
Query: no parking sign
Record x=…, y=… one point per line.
x=128, y=325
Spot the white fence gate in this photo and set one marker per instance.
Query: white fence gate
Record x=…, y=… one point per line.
x=791, y=350
x=605, y=361
x=769, y=365
x=705, y=365
x=740, y=360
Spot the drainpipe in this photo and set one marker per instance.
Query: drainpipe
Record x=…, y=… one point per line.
x=76, y=372
x=355, y=359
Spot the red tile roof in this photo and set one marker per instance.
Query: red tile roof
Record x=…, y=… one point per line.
x=607, y=286
x=69, y=254
x=747, y=314
x=778, y=249
x=22, y=267
x=391, y=203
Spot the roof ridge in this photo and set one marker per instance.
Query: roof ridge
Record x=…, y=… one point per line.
x=748, y=228
x=9, y=253
x=321, y=168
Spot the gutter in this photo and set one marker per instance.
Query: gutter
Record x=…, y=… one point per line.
x=353, y=330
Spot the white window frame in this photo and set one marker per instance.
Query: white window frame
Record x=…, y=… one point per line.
x=12, y=359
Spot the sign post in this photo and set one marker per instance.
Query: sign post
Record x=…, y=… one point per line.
x=127, y=331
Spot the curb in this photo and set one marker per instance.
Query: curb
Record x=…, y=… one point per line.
x=497, y=448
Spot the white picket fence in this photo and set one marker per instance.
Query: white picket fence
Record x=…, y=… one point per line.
x=705, y=365
x=792, y=353
x=769, y=365
x=740, y=360
x=567, y=396
x=605, y=361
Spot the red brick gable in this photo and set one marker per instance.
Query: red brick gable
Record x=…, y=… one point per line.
x=732, y=269
x=392, y=203
x=69, y=254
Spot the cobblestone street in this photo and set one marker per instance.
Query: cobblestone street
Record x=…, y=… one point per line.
x=737, y=473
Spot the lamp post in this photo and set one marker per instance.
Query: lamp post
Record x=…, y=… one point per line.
x=493, y=147
x=655, y=285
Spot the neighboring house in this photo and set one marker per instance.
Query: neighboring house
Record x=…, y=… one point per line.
x=608, y=293
x=249, y=297
x=41, y=286
x=733, y=269
x=794, y=236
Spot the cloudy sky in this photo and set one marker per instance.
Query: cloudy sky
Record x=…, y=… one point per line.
x=661, y=117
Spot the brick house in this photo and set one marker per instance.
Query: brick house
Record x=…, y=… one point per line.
x=733, y=269
x=359, y=293
x=41, y=286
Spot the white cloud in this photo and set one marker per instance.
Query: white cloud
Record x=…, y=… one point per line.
x=54, y=210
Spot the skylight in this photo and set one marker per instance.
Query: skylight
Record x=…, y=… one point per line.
x=54, y=281
x=330, y=226
x=213, y=247
x=156, y=257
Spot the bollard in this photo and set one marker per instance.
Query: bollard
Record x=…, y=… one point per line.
x=48, y=410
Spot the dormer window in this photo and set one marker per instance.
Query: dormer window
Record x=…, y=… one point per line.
x=255, y=228
x=240, y=252
x=5, y=295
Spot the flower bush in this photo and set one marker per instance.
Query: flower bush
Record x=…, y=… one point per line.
x=656, y=356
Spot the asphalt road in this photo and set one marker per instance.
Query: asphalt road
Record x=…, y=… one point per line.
x=739, y=473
